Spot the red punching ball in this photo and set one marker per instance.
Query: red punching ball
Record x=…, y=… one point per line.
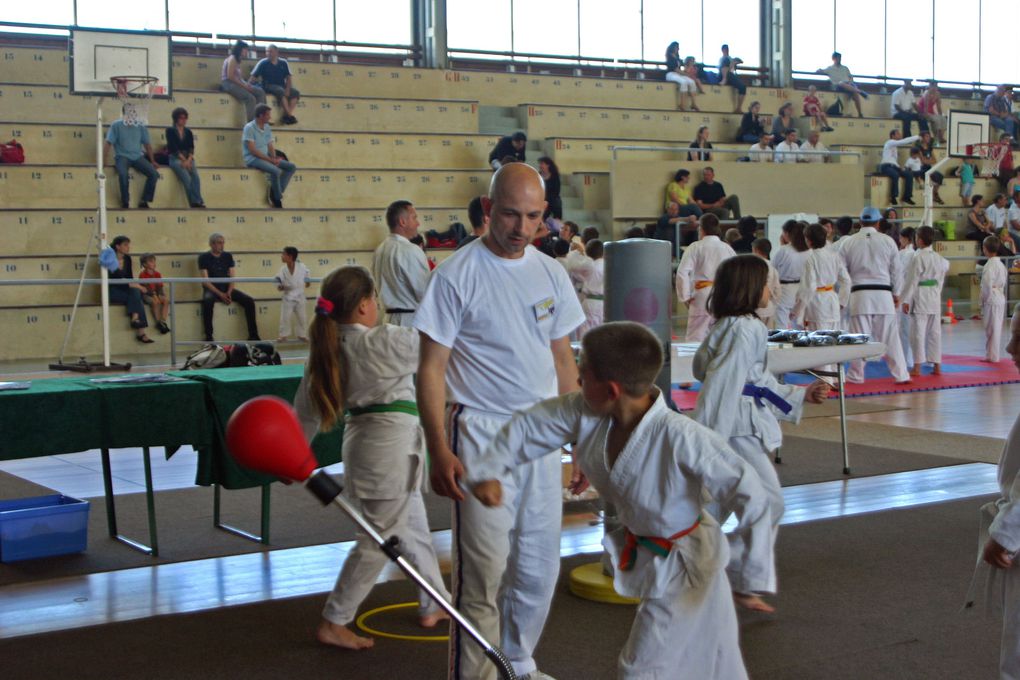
x=264, y=435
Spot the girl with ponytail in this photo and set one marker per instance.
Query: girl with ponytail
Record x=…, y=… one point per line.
x=362, y=372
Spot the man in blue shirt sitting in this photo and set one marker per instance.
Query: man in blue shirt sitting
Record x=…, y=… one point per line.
x=131, y=146
x=276, y=80
x=259, y=153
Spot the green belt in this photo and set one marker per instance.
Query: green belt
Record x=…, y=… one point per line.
x=408, y=407
x=928, y=282
x=593, y=296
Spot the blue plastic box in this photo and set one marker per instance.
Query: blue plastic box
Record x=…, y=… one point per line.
x=42, y=527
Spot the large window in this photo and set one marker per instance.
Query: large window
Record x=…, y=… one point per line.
x=473, y=25
x=202, y=16
x=735, y=23
x=278, y=19
x=145, y=15
x=611, y=29
x=813, y=34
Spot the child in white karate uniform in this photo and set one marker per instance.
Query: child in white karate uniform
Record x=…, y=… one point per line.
x=907, y=251
x=789, y=262
x=696, y=272
x=742, y=401
x=653, y=465
x=367, y=370
x=824, y=284
x=994, y=279
x=762, y=247
x=590, y=273
x=921, y=298
x=292, y=281
x=1003, y=539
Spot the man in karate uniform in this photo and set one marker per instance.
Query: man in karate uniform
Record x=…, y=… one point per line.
x=653, y=465
x=695, y=274
x=873, y=262
x=922, y=299
x=495, y=325
x=399, y=267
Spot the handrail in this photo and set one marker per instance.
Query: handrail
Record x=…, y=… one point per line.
x=885, y=80
x=713, y=150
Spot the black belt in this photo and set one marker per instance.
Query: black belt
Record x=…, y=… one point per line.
x=790, y=281
x=398, y=310
x=871, y=286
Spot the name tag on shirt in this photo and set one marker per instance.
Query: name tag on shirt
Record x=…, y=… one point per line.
x=544, y=309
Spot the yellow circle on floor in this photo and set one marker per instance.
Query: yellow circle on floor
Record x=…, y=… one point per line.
x=360, y=621
x=588, y=582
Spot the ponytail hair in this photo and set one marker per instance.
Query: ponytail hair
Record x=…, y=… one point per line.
x=339, y=296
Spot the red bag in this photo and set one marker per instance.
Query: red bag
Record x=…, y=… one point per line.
x=12, y=153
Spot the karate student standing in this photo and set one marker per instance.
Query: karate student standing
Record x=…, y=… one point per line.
x=741, y=400
x=873, y=262
x=1003, y=533
x=696, y=273
x=789, y=262
x=292, y=280
x=652, y=465
x=762, y=247
x=922, y=299
x=824, y=286
x=367, y=370
x=590, y=274
x=994, y=279
x=905, y=242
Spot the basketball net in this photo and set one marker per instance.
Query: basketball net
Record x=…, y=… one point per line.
x=990, y=155
x=135, y=95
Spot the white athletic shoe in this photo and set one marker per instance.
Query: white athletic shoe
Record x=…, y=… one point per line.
x=537, y=675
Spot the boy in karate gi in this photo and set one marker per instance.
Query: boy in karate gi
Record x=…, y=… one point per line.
x=696, y=272
x=653, y=464
x=292, y=281
x=824, y=286
x=762, y=247
x=922, y=299
x=993, y=299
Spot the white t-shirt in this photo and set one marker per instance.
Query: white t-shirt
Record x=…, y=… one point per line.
x=787, y=152
x=902, y=100
x=820, y=152
x=1013, y=214
x=759, y=155
x=997, y=216
x=913, y=164
x=498, y=317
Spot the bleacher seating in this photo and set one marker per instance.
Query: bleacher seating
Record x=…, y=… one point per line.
x=366, y=135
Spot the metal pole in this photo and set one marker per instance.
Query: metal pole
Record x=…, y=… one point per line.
x=104, y=290
x=842, y=417
x=173, y=327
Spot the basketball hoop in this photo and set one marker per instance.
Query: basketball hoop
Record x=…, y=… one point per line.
x=991, y=156
x=135, y=93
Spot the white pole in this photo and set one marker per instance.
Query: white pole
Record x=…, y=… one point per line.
x=101, y=180
x=928, y=192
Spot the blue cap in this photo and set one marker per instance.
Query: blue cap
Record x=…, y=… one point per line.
x=870, y=215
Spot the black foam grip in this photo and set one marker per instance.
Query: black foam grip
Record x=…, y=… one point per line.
x=324, y=487
x=506, y=669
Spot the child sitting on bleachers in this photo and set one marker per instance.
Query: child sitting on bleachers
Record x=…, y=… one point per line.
x=154, y=294
x=813, y=108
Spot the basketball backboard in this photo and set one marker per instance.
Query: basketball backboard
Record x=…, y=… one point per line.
x=98, y=55
x=967, y=128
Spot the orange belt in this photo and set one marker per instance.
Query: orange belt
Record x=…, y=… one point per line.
x=698, y=285
x=659, y=546
x=824, y=289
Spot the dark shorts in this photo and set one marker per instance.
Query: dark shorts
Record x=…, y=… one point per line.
x=277, y=91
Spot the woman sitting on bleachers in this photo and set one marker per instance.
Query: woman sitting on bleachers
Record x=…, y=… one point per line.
x=180, y=148
x=782, y=122
x=236, y=86
x=551, y=174
x=700, y=142
x=978, y=225
x=685, y=86
x=117, y=261
x=751, y=128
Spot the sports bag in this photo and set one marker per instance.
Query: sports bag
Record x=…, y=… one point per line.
x=12, y=152
x=209, y=356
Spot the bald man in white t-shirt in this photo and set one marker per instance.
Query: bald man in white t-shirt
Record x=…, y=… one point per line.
x=495, y=324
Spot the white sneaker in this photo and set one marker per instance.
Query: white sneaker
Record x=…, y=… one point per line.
x=537, y=675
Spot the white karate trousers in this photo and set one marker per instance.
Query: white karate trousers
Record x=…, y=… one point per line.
x=882, y=328
x=926, y=338
x=993, y=312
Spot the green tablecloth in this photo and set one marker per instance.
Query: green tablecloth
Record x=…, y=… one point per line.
x=52, y=416
x=228, y=388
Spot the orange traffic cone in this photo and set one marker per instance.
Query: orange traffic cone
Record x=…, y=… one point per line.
x=949, y=311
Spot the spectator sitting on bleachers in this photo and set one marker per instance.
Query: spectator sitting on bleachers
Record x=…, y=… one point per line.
x=154, y=293
x=782, y=122
x=665, y=228
x=840, y=80
x=235, y=85
x=180, y=149
x=788, y=150
x=1013, y=221
x=890, y=167
x=904, y=107
x=751, y=128
x=978, y=225
x=678, y=191
x=929, y=106
x=551, y=174
x=479, y=222
x=217, y=263
x=116, y=259
x=1012, y=183
x=700, y=142
x=998, y=215
x=1006, y=171
x=998, y=107
x=685, y=86
x=813, y=150
x=927, y=155
x=728, y=76
x=276, y=80
x=130, y=144
x=259, y=153
x=635, y=232
x=711, y=197
x=510, y=146
x=762, y=151
x=694, y=71
x=813, y=108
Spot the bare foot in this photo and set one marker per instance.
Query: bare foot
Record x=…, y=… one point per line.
x=341, y=636
x=302, y=338
x=937, y=370
x=915, y=371
x=753, y=603
x=432, y=620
